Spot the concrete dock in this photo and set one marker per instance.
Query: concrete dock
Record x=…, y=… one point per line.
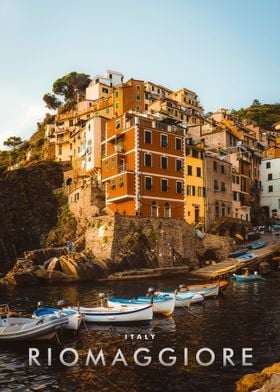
x=226, y=268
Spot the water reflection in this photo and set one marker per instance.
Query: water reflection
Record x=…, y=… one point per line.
x=247, y=316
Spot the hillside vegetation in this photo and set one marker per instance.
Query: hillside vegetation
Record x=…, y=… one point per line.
x=265, y=115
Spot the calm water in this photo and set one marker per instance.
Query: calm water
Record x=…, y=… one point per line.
x=247, y=316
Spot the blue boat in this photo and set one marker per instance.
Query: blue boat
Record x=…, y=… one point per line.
x=74, y=317
x=238, y=252
x=163, y=304
x=247, y=278
x=257, y=245
x=246, y=257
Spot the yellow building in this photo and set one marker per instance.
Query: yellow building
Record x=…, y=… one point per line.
x=195, y=184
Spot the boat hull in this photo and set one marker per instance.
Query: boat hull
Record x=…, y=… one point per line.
x=161, y=305
x=23, y=329
x=118, y=314
x=74, y=317
x=249, y=278
x=206, y=292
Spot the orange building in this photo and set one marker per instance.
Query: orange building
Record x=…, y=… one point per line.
x=143, y=166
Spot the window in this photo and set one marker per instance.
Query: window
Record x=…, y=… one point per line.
x=193, y=190
x=178, y=165
x=163, y=140
x=148, y=183
x=154, y=209
x=76, y=196
x=198, y=172
x=196, y=214
x=148, y=137
x=113, y=184
x=148, y=160
x=189, y=170
x=105, y=90
x=118, y=124
x=201, y=191
x=215, y=166
x=237, y=180
x=116, y=94
x=223, y=187
x=146, y=107
x=164, y=162
x=217, y=210
x=138, y=98
x=189, y=190
x=178, y=144
x=164, y=185
x=195, y=153
x=121, y=182
x=179, y=187
x=59, y=150
x=113, y=162
x=167, y=210
x=235, y=196
x=268, y=165
x=106, y=165
x=216, y=187
x=222, y=169
x=117, y=105
x=269, y=176
x=107, y=110
x=233, y=179
x=270, y=188
x=138, y=88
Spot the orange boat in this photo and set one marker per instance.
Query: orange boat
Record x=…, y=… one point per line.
x=221, y=283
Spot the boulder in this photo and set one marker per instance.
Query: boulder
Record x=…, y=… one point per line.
x=54, y=277
x=25, y=278
x=268, y=380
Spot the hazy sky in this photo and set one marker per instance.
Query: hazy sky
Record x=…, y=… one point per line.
x=226, y=51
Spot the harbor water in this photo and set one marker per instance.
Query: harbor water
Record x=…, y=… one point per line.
x=246, y=316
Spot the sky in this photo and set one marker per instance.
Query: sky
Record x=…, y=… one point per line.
x=225, y=51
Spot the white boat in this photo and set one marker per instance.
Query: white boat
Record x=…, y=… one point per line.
x=162, y=304
x=184, y=299
x=117, y=314
x=206, y=292
x=74, y=317
x=16, y=329
x=197, y=298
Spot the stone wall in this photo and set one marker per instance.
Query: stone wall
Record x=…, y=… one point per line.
x=123, y=242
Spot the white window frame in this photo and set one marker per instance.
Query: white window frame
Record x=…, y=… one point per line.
x=163, y=156
x=163, y=179
x=147, y=153
x=151, y=183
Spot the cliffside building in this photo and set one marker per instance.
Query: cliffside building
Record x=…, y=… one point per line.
x=195, y=183
x=143, y=166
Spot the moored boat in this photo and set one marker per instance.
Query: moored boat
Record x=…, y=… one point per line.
x=73, y=316
x=223, y=284
x=19, y=329
x=246, y=257
x=206, y=292
x=163, y=304
x=184, y=299
x=238, y=252
x=257, y=245
x=247, y=278
x=121, y=314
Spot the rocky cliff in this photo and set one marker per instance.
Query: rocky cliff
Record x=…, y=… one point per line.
x=28, y=209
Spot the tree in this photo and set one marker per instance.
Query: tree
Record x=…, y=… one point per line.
x=256, y=102
x=51, y=101
x=70, y=83
x=13, y=141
